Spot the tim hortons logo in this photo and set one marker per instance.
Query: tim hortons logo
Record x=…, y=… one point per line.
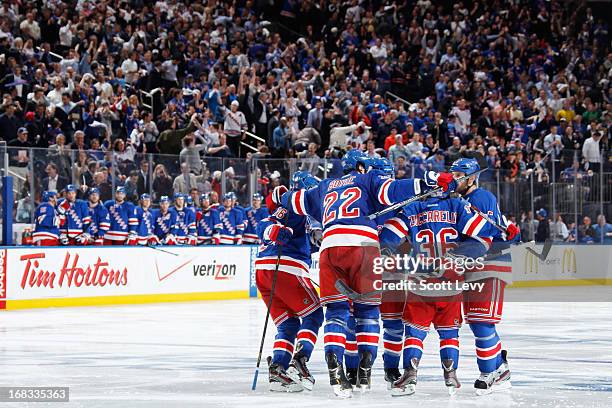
x=71, y=273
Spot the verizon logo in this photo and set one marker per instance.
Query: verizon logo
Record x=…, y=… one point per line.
x=218, y=271
x=71, y=273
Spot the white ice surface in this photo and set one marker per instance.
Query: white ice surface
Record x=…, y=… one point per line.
x=202, y=354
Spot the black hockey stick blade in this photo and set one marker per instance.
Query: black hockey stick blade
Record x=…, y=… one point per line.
x=545, y=250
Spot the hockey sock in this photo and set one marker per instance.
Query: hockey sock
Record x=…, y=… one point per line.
x=413, y=344
x=393, y=338
x=351, y=358
x=309, y=330
x=488, y=347
x=336, y=318
x=449, y=345
x=284, y=341
x=367, y=328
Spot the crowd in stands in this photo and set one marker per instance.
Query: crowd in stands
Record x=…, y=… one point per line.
x=525, y=84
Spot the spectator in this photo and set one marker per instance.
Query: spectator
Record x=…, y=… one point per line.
x=185, y=181
x=591, y=152
x=560, y=232
x=131, y=187
x=162, y=182
x=53, y=181
x=234, y=125
x=398, y=150
x=543, y=229
x=586, y=232
x=102, y=184
x=603, y=230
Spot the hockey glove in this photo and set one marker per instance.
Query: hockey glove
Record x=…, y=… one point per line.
x=445, y=180
x=169, y=240
x=99, y=241
x=216, y=239
x=192, y=240
x=316, y=236
x=279, y=234
x=512, y=231
x=63, y=207
x=152, y=240
x=84, y=238
x=64, y=239
x=132, y=239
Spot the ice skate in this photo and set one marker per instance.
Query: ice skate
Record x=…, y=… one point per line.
x=364, y=374
x=406, y=385
x=298, y=371
x=340, y=384
x=391, y=376
x=450, y=377
x=498, y=380
x=351, y=375
x=280, y=380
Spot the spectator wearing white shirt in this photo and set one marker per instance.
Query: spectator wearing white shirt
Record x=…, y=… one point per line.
x=463, y=117
x=591, y=153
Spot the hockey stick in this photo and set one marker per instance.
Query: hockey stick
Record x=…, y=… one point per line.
x=545, y=250
x=420, y=196
x=161, y=250
x=263, y=335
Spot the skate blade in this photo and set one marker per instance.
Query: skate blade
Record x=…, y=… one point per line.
x=342, y=393
x=401, y=392
x=278, y=387
x=453, y=390
x=389, y=385
x=294, y=374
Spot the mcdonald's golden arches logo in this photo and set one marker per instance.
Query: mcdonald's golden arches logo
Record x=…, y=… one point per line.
x=568, y=261
x=531, y=263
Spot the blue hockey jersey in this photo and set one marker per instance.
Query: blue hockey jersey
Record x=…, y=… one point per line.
x=253, y=217
x=184, y=223
x=434, y=227
x=164, y=224
x=208, y=226
x=343, y=205
x=47, y=222
x=232, y=226
x=295, y=258
x=146, y=224
x=100, y=222
x=122, y=220
x=499, y=266
x=77, y=218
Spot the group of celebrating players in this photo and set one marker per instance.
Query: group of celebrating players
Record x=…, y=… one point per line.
x=71, y=221
x=333, y=217
x=458, y=222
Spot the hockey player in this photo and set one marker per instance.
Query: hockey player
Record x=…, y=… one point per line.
x=348, y=250
x=145, y=231
x=122, y=219
x=483, y=309
x=74, y=231
x=253, y=214
x=208, y=222
x=232, y=220
x=100, y=220
x=392, y=304
x=434, y=226
x=48, y=221
x=185, y=222
x=164, y=222
x=295, y=309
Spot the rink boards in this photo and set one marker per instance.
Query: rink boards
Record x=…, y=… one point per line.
x=34, y=277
